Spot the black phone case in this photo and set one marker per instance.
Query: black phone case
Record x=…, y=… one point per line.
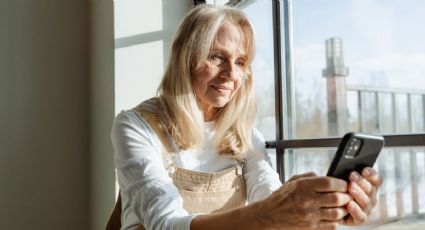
x=341, y=166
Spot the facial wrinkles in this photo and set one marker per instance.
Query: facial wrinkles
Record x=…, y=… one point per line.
x=211, y=80
x=230, y=41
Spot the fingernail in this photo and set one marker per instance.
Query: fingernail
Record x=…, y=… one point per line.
x=351, y=206
x=367, y=172
x=354, y=176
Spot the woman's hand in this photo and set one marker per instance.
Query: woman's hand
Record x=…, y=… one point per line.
x=363, y=188
x=304, y=202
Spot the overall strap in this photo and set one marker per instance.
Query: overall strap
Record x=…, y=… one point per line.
x=149, y=112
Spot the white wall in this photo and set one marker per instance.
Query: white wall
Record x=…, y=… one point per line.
x=44, y=125
x=143, y=33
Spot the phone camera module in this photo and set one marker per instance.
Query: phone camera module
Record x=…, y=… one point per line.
x=353, y=148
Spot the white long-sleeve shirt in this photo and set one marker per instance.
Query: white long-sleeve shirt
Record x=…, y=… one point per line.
x=148, y=193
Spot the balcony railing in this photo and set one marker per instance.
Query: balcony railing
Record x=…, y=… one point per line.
x=395, y=111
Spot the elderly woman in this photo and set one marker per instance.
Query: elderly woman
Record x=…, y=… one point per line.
x=191, y=159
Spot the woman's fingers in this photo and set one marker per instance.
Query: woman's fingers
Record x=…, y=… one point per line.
x=328, y=225
x=372, y=176
x=323, y=192
x=327, y=184
x=363, y=188
x=332, y=213
x=356, y=215
x=364, y=184
x=334, y=199
x=361, y=198
x=369, y=181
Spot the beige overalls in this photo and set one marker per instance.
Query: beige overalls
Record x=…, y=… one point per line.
x=201, y=192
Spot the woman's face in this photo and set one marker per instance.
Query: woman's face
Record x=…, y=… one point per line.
x=219, y=77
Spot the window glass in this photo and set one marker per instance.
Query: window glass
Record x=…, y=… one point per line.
x=358, y=66
x=260, y=15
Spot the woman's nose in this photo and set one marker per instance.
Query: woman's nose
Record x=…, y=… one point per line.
x=229, y=71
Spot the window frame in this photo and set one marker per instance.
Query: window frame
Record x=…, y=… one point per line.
x=284, y=97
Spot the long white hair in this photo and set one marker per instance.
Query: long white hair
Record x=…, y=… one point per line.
x=181, y=110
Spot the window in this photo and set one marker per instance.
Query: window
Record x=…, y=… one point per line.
x=339, y=66
x=264, y=69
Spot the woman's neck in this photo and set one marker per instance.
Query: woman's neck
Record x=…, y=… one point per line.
x=209, y=113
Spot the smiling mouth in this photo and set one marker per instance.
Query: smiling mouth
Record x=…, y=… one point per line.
x=222, y=89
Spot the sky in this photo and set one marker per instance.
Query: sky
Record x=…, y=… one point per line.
x=382, y=39
x=383, y=42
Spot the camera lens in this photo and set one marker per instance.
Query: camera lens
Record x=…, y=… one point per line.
x=352, y=148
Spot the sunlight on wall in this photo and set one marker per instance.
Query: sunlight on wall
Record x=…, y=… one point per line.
x=133, y=17
x=139, y=54
x=138, y=71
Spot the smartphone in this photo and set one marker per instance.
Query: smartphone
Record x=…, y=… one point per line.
x=355, y=152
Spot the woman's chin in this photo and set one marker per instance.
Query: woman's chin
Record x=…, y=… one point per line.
x=221, y=103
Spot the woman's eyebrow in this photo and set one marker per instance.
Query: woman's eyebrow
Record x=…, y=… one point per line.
x=225, y=52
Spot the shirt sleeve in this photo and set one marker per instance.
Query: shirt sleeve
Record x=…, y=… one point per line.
x=261, y=179
x=142, y=177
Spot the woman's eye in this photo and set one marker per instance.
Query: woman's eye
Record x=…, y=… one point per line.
x=240, y=63
x=216, y=58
